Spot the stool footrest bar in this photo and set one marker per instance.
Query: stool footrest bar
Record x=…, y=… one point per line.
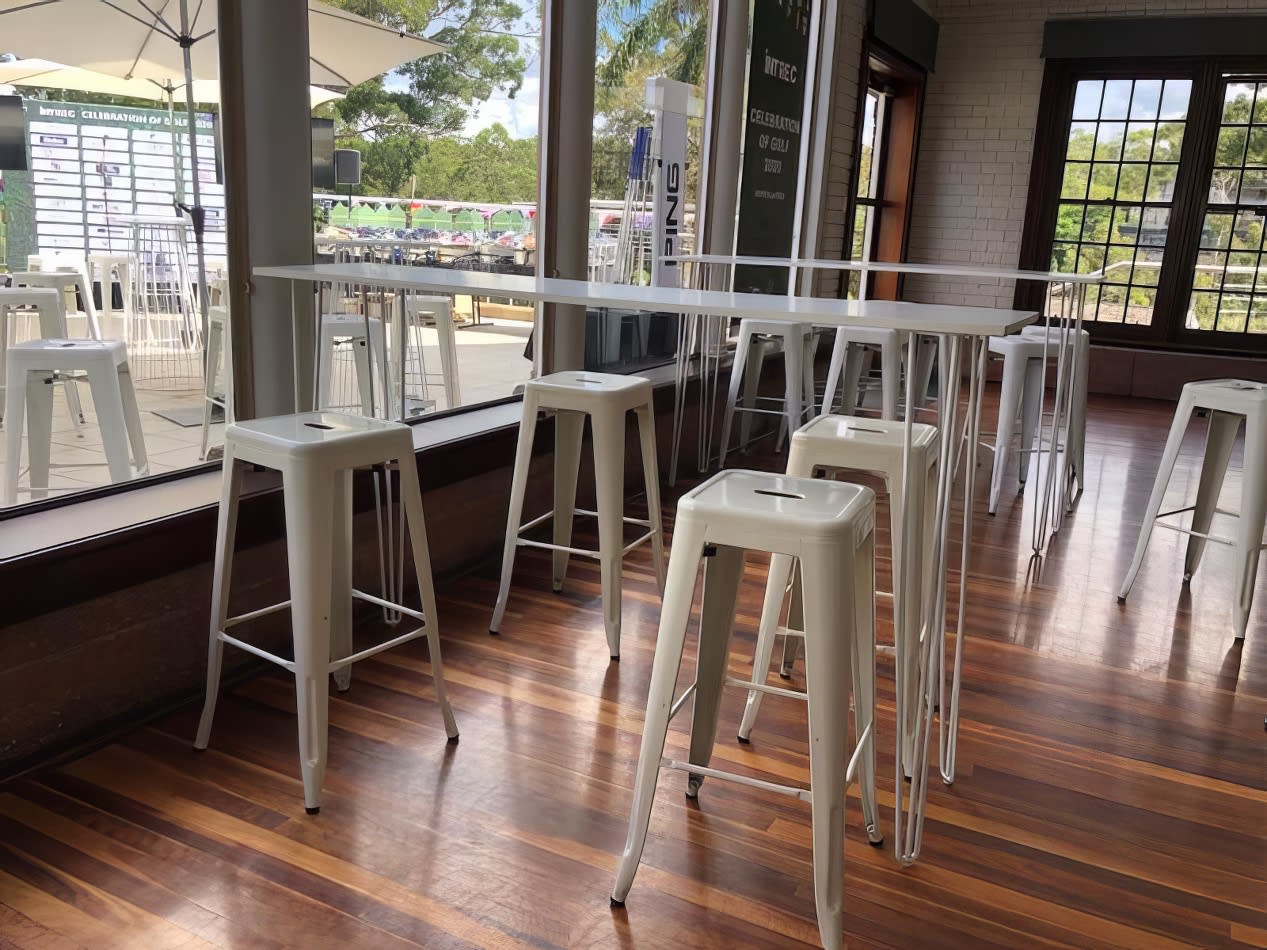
x=763, y=688
x=387, y=604
x=256, y=651
x=790, y=790
x=378, y=648
x=252, y=615
x=681, y=701
x=863, y=741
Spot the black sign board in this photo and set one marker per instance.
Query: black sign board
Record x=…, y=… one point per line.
x=772, y=140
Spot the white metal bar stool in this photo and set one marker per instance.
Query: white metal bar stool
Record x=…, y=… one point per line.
x=1022, y=394
x=828, y=526
x=844, y=443
x=847, y=357
x=745, y=371
x=316, y=453
x=439, y=311
x=1230, y=402
x=605, y=398
x=70, y=278
x=48, y=307
x=32, y=369
x=352, y=327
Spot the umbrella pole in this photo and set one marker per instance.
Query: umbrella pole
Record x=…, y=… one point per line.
x=196, y=213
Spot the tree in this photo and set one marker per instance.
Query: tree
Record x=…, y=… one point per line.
x=673, y=33
x=483, y=55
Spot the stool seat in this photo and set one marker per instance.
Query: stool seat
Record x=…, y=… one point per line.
x=78, y=351
x=569, y=382
x=828, y=527
x=856, y=441
x=316, y=453
x=606, y=399
x=1230, y=403
x=785, y=510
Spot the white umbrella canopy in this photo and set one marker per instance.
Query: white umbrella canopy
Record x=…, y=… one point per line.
x=41, y=72
x=140, y=39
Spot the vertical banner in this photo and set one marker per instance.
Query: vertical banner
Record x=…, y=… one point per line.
x=669, y=102
x=772, y=140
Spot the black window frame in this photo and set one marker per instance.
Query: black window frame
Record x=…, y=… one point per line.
x=1196, y=162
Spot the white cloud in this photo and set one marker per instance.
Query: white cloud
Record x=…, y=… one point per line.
x=519, y=115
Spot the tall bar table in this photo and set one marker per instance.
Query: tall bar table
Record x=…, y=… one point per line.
x=963, y=328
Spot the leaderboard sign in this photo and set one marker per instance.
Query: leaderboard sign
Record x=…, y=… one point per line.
x=92, y=167
x=772, y=140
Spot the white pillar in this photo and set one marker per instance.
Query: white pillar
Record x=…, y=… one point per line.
x=267, y=138
x=566, y=136
x=723, y=127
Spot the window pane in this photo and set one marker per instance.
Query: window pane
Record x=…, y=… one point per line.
x=1117, y=98
x=1174, y=98
x=1217, y=231
x=1130, y=182
x=1090, y=259
x=1139, y=142
x=1202, y=310
x=1147, y=99
x=1069, y=222
x=1231, y=146
x=1117, y=263
x=1108, y=141
x=1225, y=185
x=1095, y=226
x=1168, y=144
x=1209, y=273
x=1075, y=183
x=1233, y=313
x=1147, y=267
x=1238, y=98
x=1139, y=305
x=1086, y=99
x=1081, y=141
x=1258, y=315
x=1103, y=181
x=1254, y=187
x=1161, y=182
x=1256, y=154
x=1260, y=103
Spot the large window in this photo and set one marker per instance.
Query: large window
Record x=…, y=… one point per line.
x=1155, y=173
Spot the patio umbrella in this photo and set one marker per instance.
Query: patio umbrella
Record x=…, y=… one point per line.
x=42, y=72
x=174, y=42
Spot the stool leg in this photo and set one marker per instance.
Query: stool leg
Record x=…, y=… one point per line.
x=834, y=369
x=1249, y=526
x=808, y=408
x=609, y=482
x=890, y=378
x=39, y=430
x=1031, y=412
x=309, y=500
x=1078, y=419
x=361, y=359
x=1009, y=407
x=411, y=498
x=722, y=573
x=855, y=359
x=226, y=531
x=651, y=478
x=767, y=630
x=107, y=399
x=829, y=628
x=325, y=370
x=751, y=388
x=1220, y=437
x=1174, y=441
x=732, y=395
x=341, y=584
x=15, y=396
x=679, y=590
x=132, y=419
x=863, y=663
x=793, y=381
x=924, y=357
x=568, y=429
x=214, y=341
x=514, y=516
x=795, y=621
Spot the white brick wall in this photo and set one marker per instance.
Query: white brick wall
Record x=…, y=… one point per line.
x=980, y=107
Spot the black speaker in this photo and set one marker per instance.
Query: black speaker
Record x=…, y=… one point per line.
x=347, y=166
x=13, y=135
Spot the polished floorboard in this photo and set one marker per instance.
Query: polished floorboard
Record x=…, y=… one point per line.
x=1112, y=787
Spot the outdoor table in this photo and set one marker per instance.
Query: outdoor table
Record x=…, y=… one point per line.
x=962, y=327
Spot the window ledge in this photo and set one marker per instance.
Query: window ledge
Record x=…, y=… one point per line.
x=42, y=531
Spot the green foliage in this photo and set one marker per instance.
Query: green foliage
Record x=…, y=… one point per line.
x=484, y=54
x=671, y=34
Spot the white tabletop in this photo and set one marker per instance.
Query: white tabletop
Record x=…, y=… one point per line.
x=887, y=267
x=821, y=311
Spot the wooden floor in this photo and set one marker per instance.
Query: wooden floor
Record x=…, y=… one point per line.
x=1112, y=788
